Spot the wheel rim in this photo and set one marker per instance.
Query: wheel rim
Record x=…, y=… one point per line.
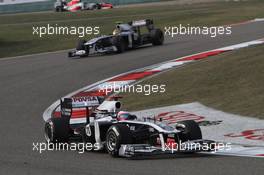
x=111, y=141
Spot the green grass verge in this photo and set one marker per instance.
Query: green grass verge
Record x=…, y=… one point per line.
x=16, y=30
x=231, y=82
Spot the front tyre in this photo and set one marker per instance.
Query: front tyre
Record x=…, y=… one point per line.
x=59, y=9
x=190, y=131
x=116, y=136
x=98, y=6
x=81, y=46
x=70, y=54
x=120, y=44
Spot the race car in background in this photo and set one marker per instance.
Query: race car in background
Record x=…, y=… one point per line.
x=76, y=5
x=120, y=133
x=105, y=5
x=125, y=36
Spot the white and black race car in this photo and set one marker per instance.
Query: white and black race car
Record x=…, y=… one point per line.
x=125, y=36
x=123, y=134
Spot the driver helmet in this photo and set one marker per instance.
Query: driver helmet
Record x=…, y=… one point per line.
x=116, y=31
x=124, y=115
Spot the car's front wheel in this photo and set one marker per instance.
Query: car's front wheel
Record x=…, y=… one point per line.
x=190, y=130
x=81, y=46
x=120, y=44
x=59, y=9
x=116, y=136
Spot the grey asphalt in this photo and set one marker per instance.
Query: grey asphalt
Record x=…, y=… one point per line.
x=28, y=85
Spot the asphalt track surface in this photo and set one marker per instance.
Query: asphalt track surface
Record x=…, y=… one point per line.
x=30, y=84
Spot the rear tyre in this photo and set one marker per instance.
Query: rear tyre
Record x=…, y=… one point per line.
x=157, y=37
x=81, y=46
x=191, y=131
x=57, y=130
x=116, y=136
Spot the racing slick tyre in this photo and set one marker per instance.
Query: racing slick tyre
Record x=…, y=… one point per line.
x=190, y=131
x=57, y=130
x=59, y=9
x=157, y=37
x=81, y=46
x=98, y=6
x=120, y=44
x=116, y=136
x=70, y=54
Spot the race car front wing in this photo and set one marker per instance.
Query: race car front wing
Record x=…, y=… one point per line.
x=92, y=50
x=194, y=146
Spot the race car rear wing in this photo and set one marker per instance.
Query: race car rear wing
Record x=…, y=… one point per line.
x=68, y=104
x=145, y=22
x=80, y=109
x=111, y=104
x=86, y=101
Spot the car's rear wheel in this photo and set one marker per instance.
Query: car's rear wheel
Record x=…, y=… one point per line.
x=116, y=136
x=157, y=37
x=57, y=130
x=190, y=130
